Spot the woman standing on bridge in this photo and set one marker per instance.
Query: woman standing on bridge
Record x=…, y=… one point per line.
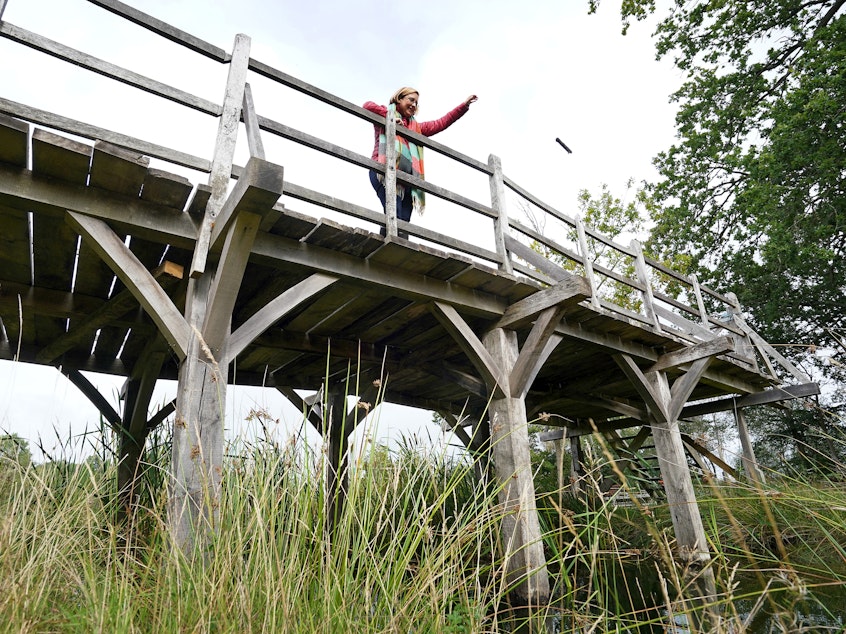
x=409, y=154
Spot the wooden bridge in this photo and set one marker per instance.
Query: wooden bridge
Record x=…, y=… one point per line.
x=110, y=265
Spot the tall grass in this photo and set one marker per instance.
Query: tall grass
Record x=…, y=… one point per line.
x=415, y=550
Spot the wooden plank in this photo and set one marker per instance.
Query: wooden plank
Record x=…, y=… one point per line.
x=14, y=140
x=53, y=252
x=251, y=124
x=774, y=395
x=65, y=124
x=499, y=208
x=56, y=156
x=587, y=262
x=196, y=206
x=166, y=189
x=101, y=67
x=143, y=286
x=117, y=170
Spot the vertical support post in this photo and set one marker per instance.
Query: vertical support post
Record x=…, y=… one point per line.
x=643, y=278
x=391, y=171
x=750, y=463
x=697, y=290
x=587, y=263
x=525, y=565
x=743, y=343
x=193, y=508
x=335, y=436
x=194, y=502
x=224, y=151
x=497, y=186
x=3, y=4
x=576, y=466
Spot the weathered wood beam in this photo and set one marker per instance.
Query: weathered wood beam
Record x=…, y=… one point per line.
x=14, y=140
x=526, y=573
x=569, y=291
x=224, y=150
x=92, y=394
x=689, y=354
x=650, y=387
x=311, y=411
x=702, y=449
x=538, y=346
x=257, y=190
x=227, y=280
x=275, y=310
x=467, y=340
x=251, y=124
x=138, y=279
x=684, y=385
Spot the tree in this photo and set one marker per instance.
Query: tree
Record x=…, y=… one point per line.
x=14, y=450
x=754, y=191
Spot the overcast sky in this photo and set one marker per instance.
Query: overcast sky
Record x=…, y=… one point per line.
x=541, y=69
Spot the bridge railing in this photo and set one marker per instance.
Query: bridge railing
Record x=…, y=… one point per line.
x=624, y=282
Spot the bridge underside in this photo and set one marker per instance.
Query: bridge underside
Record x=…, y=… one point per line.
x=61, y=304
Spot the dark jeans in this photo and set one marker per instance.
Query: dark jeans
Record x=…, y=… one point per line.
x=404, y=205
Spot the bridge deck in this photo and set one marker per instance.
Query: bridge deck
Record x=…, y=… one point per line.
x=60, y=304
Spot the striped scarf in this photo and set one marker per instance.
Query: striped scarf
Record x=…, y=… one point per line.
x=409, y=160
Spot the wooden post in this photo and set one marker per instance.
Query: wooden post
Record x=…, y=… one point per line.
x=391, y=171
x=335, y=433
x=665, y=404
x=576, y=466
x=643, y=278
x=193, y=506
x=587, y=263
x=750, y=463
x=498, y=205
x=526, y=573
x=700, y=303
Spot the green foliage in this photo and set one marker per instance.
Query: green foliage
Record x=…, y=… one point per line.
x=753, y=191
x=14, y=450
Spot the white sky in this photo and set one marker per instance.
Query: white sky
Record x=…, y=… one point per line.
x=541, y=69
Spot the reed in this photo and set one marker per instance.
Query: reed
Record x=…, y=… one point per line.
x=415, y=550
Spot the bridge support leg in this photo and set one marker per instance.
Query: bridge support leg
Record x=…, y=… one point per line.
x=521, y=535
x=664, y=403
x=196, y=476
x=335, y=434
x=750, y=462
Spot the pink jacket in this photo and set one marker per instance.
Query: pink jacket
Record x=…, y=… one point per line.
x=427, y=128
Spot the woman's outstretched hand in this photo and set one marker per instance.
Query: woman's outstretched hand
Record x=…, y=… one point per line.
x=470, y=99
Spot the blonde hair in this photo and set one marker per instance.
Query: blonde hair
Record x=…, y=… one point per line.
x=403, y=92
